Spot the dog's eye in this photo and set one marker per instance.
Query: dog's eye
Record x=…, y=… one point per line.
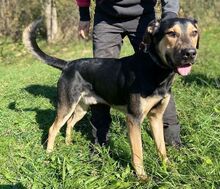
x=172, y=34
x=194, y=33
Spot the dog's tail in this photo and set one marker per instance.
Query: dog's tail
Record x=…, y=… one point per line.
x=29, y=40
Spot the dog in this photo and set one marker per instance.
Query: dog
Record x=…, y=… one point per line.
x=139, y=85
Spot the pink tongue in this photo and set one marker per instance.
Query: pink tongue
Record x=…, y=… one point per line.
x=184, y=70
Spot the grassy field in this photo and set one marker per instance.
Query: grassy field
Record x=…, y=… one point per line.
x=27, y=109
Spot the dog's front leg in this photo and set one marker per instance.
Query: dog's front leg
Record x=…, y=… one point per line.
x=158, y=134
x=156, y=121
x=134, y=132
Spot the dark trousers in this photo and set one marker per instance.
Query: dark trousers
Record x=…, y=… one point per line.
x=108, y=34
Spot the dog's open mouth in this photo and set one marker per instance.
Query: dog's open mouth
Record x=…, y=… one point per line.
x=184, y=70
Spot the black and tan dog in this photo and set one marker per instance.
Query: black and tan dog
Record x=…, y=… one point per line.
x=139, y=84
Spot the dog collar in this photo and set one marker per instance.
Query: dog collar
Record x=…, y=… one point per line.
x=155, y=59
x=144, y=47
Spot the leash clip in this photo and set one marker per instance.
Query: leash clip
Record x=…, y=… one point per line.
x=144, y=47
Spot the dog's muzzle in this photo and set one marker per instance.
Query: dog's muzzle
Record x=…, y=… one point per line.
x=188, y=57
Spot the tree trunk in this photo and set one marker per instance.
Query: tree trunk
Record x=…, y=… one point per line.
x=4, y=16
x=51, y=21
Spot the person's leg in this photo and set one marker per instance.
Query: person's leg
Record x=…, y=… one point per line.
x=171, y=124
x=101, y=121
x=107, y=37
x=107, y=41
x=135, y=31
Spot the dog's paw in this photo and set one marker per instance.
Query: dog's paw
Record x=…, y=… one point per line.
x=141, y=174
x=166, y=163
x=49, y=150
x=143, y=177
x=68, y=141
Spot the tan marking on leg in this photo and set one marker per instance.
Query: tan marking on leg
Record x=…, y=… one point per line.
x=156, y=122
x=148, y=103
x=134, y=132
x=139, y=107
x=77, y=115
x=63, y=114
x=54, y=129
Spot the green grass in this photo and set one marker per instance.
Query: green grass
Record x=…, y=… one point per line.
x=27, y=109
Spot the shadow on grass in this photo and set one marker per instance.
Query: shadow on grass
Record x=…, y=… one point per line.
x=45, y=91
x=202, y=80
x=14, y=186
x=45, y=118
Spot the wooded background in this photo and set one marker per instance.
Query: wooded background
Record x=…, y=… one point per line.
x=61, y=16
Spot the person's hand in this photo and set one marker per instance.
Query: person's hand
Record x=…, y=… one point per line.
x=84, y=29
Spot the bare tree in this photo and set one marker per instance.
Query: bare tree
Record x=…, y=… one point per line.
x=51, y=20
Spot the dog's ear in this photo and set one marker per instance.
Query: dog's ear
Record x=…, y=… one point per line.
x=150, y=31
x=153, y=26
x=195, y=23
x=197, y=45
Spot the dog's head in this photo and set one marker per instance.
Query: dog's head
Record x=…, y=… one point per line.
x=176, y=41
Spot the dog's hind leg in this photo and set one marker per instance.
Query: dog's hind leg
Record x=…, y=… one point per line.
x=64, y=112
x=77, y=115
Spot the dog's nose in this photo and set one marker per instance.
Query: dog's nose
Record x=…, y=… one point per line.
x=189, y=53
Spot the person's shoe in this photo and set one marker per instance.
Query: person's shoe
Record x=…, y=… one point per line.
x=172, y=136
